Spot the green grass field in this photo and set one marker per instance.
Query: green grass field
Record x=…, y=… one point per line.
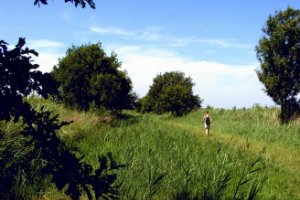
x=248, y=153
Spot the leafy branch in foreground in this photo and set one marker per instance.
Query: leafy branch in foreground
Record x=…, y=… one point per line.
x=76, y=2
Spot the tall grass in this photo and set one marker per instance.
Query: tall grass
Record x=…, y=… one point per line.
x=163, y=161
x=258, y=123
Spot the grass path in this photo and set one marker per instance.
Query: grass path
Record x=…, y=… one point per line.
x=287, y=160
x=288, y=157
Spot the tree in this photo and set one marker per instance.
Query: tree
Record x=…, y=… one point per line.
x=39, y=140
x=77, y=2
x=87, y=78
x=278, y=52
x=171, y=92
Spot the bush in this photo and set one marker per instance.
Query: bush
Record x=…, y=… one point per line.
x=171, y=92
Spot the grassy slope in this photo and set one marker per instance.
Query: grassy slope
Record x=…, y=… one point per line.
x=176, y=150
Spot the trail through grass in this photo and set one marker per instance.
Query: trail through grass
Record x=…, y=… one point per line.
x=288, y=157
x=285, y=159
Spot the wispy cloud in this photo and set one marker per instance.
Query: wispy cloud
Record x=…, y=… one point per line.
x=43, y=44
x=222, y=43
x=179, y=42
x=112, y=30
x=148, y=34
x=154, y=34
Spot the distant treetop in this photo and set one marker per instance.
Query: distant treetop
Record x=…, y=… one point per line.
x=80, y=2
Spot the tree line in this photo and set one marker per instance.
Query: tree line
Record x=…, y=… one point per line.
x=88, y=78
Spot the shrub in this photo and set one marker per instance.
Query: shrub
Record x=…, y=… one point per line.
x=171, y=92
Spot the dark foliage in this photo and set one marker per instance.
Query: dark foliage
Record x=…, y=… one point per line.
x=82, y=3
x=20, y=167
x=278, y=52
x=88, y=78
x=38, y=137
x=20, y=78
x=184, y=195
x=170, y=92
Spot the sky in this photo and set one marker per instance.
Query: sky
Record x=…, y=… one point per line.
x=211, y=41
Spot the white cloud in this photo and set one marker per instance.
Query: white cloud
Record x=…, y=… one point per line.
x=222, y=43
x=47, y=61
x=126, y=49
x=154, y=34
x=49, y=52
x=112, y=30
x=38, y=44
x=177, y=42
x=220, y=85
x=148, y=34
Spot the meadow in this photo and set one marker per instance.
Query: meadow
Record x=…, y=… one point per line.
x=248, y=154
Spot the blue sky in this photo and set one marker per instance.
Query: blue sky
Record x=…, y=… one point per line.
x=212, y=41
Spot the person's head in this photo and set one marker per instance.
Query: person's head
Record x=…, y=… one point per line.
x=207, y=112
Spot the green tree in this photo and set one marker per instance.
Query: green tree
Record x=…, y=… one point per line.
x=88, y=77
x=278, y=52
x=76, y=2
x=171, y=92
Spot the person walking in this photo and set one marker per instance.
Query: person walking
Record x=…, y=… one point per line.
x=207, y=121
